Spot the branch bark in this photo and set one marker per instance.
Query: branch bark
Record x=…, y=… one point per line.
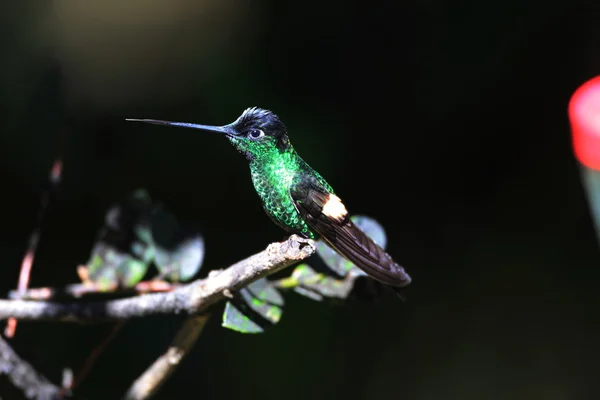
x=24, y=376
x=189, y=299
x=152, y=379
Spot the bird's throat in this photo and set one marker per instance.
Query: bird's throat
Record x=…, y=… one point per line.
x=274, y=171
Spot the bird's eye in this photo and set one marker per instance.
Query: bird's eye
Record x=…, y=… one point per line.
x=255, y=134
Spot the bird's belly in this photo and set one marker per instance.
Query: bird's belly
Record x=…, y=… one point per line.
x=283, y=212
x=278, y=205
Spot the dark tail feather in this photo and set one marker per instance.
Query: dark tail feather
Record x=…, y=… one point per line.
x=356, y=246
x=345, y=237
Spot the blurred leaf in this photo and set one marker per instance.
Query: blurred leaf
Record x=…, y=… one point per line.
x=109, y=268
x=125, y=219
x=182, y=263
x=136, y=233
x=144, y=233
x=131, y=271
x=177, y=256
x=165, y=228
x=254, y=308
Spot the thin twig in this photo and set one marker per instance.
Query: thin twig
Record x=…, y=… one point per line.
x=188, y=299
x=152, y=379
x=24, y=376
x=91, y=360
x=53, y=182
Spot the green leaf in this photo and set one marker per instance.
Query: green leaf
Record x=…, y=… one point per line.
x=317, y=286
x=131, y=271
x=143, y=251
x=144, y=233
x=235, y=320
x=109, y=268
x=254, y=309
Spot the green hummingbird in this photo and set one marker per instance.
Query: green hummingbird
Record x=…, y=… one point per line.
x=295, y=196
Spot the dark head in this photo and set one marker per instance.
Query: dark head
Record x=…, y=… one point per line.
x=256, y=132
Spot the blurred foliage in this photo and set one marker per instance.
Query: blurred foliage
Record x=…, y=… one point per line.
x=139, y=233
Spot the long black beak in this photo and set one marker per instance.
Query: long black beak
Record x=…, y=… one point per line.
x=226, y=129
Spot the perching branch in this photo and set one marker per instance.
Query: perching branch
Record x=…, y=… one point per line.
x=152, y=379
x=189, y=299
x=24, y=377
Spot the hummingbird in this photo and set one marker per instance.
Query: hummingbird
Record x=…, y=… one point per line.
x=295, y=196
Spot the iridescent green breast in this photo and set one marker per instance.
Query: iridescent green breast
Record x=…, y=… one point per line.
x=272, y=175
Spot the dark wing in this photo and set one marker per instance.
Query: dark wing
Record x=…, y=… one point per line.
x=327, y=216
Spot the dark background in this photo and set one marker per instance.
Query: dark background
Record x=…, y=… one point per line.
x=445, y=121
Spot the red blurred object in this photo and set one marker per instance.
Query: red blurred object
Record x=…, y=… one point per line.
x=584, y=114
